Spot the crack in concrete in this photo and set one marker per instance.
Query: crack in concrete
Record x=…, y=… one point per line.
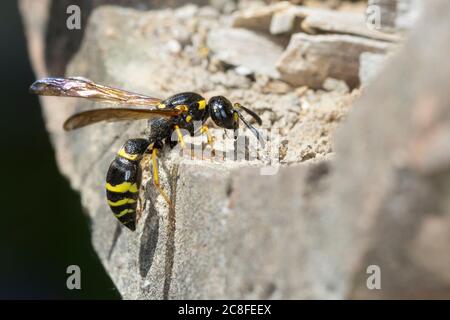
x=171, y=228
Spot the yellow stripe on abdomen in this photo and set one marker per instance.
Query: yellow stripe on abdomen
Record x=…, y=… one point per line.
x=122, y=153
x=123, y=212
x=122, y=188
x=121, y=202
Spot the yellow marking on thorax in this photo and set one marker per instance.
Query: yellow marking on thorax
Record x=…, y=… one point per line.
x=122, y=188
x=122, y=153
x=161, y=106
x=123, y=212
x=182, y=107
x=201, y=104
x=121, y=202
x=236, y=117
x=188, y=118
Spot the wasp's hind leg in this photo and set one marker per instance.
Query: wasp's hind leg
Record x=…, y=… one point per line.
x=123, y=180
x=156, y=183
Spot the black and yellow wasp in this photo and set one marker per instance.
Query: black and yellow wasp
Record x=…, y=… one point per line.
x=177, y=112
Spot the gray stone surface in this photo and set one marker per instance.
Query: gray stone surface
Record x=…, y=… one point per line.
x=319, y=21
x=321, y=43
x=392, y=181
x=309, y=60
x=242, y=47
x=378, y=195
x=370, y=65
x=396, y=15
x=194, y=251
x=258, y=17
x=283, y=17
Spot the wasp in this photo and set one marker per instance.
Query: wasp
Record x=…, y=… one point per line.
x=168, y=116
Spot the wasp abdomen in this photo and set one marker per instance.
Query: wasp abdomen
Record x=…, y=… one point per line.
x=123, y=179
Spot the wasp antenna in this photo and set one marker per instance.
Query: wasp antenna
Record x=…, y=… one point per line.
x=257, y=134
x=250, y=112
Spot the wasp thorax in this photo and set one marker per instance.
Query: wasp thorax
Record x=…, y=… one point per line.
x=222, y=112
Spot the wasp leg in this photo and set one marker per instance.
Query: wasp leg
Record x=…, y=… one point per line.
x=180, y=137
x=141, y=202
x=210, y=137
x=144, y=166
x=156, y=177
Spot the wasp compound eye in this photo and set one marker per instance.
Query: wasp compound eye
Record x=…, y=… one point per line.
x=222, y=112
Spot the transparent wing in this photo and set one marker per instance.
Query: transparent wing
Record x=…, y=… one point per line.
x=85, y=88
x=85, y=118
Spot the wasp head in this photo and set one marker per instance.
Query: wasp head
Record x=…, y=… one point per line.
x=227, y=116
